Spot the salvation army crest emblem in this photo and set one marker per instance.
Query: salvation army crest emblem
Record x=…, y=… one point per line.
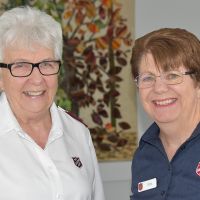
x=77, y=161
x=198, y=169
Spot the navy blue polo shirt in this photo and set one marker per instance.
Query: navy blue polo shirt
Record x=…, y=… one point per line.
x=155, y=178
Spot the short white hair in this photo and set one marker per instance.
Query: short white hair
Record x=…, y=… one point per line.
x=27, y=26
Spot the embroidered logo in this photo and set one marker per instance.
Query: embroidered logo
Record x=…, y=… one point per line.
x=77, y=161
x=198, y=169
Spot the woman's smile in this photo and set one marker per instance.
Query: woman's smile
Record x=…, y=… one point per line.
x=34, y=93
x=164, y=102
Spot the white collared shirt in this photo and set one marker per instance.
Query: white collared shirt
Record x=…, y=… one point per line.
x=66, y=169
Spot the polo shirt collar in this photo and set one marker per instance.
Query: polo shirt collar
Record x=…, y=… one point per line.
x=196, y=132
x=152, y=134
x=57, y=127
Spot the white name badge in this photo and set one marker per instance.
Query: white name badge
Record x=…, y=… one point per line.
x=147, y=185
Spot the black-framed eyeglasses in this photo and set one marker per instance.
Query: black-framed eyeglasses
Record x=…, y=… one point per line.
x=147, y=80
x=24, y=69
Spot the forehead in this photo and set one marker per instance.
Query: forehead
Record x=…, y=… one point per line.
x=35, y=53
x=149, y=63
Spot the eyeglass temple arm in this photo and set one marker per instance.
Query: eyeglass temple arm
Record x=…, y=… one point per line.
x=189, y=73
x=3, y=65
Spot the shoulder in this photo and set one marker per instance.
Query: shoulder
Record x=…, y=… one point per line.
x=74, y=116
x=71, y=116
x=74, y=127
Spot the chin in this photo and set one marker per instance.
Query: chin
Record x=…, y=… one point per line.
x=164, y=120
x=37, y=109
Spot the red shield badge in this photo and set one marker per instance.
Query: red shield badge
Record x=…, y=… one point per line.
x=198, y=169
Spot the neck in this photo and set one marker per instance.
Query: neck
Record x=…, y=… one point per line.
x=37, y=128
x=174, y=135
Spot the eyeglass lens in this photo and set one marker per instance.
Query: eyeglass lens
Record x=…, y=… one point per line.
x=170, y=78
x=22, y=69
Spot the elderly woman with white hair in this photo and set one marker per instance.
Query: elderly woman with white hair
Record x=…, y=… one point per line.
x=45, y=154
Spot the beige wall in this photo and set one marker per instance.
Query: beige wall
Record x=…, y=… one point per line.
x=127, y=98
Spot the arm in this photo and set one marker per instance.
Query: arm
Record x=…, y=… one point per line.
x=98, y=192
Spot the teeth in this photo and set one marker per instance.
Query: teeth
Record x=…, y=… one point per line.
x=34, y=93
x=165, y=102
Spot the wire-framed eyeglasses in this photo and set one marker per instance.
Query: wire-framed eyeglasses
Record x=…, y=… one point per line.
x=147, y=80
x=24, y=69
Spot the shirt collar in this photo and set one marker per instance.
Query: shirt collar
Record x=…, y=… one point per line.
x=57, y=127
x=196, y=132
x=152, y=134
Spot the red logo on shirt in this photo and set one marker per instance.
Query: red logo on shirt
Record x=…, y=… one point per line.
x=198, y=169
x=140, y=187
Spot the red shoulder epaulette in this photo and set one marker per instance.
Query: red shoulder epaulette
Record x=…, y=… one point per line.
x=76, y=117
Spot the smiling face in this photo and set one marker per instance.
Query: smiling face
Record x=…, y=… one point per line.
x=169, y=103
x=33, y=95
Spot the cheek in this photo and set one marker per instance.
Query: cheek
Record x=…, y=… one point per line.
x=12, y=83
x=145, y=100
x=143, y=95
x=52, y=83
x=1, y=83
x=198, y=93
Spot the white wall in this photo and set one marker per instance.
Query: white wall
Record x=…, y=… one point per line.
x=149, y=15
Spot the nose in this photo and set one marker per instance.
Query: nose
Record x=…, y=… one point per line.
x=36, y=77
x=160, y=86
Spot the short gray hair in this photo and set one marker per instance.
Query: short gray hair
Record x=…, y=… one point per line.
x=27, y=26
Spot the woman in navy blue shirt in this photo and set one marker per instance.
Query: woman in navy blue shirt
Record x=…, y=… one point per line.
x=166, y=69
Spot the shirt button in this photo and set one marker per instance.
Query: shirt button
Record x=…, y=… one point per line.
x=162, y=193
x=183, y=147
x=58, y=196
